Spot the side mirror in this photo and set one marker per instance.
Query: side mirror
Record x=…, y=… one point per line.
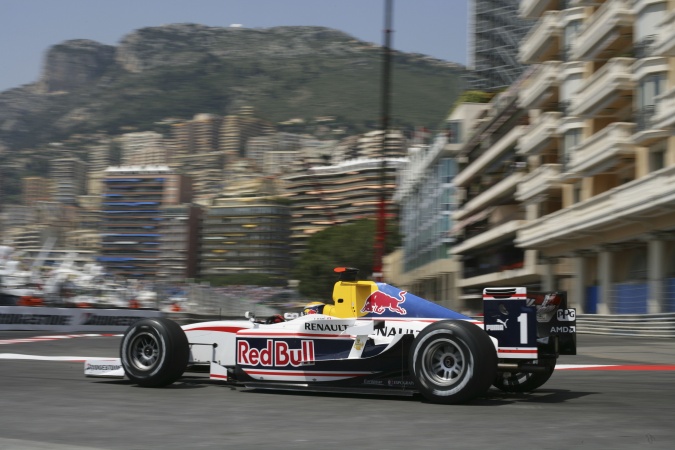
x=250, y=315
x=291, y=316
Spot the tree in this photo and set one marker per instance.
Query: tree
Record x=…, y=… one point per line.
x=348, y=245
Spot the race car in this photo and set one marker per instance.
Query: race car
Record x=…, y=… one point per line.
x=372, y=338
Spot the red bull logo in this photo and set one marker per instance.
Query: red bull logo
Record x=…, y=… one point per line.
x=378, y=302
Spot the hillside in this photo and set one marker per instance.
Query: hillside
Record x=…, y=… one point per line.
x=183, y=69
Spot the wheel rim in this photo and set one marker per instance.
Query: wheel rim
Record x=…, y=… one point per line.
x=444, y=363
x=144, y=351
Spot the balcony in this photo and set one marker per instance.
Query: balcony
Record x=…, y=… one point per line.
x=507, y=141
x=504, y=188
x=495, y=234
x=608, y=32
x=542, y=87
x=533, y=9
x=603, y=150
x=540, y=180
x=542, y=43
x=664, y=115
x=541, y=135
x=641, y=200
x=664, y=44
x=646, y=133
x=607, y=91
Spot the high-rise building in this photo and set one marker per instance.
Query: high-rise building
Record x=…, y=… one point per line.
x=179, y=242
x=236, y=130
x=496, y=30
x=246, y=236
x=101, y=155
x=323, y=196
x=132, y=218
x=69, y=179
x=36, y=189
x=143, y=148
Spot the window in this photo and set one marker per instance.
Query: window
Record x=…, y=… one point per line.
x=454, y=132
x=576, y=192
x=650, y=86
x=657, y=158
x=571, y=139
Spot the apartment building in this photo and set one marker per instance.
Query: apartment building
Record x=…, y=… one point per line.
x=69, y=179
x=35, y=189
x=488, y=215
x=143, y=148
x=131, y=223
x=236, y=130
x=245, y=236
x=324, y=196
x=599, y=197
x=427, y=199
x=567, y=180
x=179, y=242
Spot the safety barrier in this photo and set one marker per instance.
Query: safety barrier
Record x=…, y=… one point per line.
x=647, y=325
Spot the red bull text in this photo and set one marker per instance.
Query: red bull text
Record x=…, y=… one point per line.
x=275, y=354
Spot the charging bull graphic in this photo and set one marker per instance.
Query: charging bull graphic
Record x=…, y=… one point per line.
x=378, y=302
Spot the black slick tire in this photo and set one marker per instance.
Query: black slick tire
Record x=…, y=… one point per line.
x=452, y=361
x=154, y=352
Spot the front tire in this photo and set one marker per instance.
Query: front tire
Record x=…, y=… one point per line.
x=525, y=381
x=452, y=362
x=154, y=352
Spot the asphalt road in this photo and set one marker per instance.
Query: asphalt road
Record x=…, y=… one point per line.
x=51, y=405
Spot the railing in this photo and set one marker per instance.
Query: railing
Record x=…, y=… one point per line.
x=664, y=115
x=611, y=14
x=613, y=141
x=547, y=27
x=644, y=118
x=610, y=79
x=538, y=181
x=637, y=198
x=543, y=129
x=646, y=325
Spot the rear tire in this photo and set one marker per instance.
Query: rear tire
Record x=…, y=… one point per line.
x=154, y=352
x=452, y=362
x=525, y=381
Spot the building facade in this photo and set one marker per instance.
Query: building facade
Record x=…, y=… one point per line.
x=324, y=196
x=600, y=193
x=244, y=237
x=427, y=198
x=69, y=179
x=131, y=223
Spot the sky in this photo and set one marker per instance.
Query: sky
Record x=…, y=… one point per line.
x=28, y=28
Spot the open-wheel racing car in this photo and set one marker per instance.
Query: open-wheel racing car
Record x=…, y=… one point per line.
x=373, y=338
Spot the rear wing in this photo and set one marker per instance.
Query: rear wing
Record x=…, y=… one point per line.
x=529, y=325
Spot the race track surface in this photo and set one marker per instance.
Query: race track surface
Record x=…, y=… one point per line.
x=624, y=400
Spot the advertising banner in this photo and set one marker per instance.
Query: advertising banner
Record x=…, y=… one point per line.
x=29, y=318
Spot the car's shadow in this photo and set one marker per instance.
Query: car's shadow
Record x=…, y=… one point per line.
x=493, y=397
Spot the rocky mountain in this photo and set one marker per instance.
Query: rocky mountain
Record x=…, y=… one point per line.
x=183, y=69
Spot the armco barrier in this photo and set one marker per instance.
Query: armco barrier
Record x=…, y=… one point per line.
x=84, y=319
x=647, y=325
x=30, y=318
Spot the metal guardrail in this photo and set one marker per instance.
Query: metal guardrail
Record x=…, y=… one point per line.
x=646, y=325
